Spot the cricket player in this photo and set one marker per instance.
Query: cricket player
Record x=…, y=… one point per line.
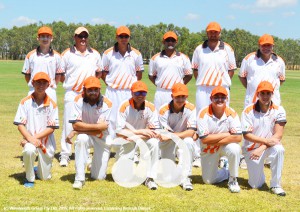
x=263, y=124
x=44, y=59
x=167, y=68
x=79, y=62
x=139, y=117
x=219, y=129
x=179, y=118
x=37, y=118
x=90, y=120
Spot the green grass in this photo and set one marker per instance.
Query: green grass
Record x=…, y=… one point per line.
x=57, y=193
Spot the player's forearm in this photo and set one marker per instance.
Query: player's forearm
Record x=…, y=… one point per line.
x=230, y=139
x=185, y=134
x=27, y=77
x=254, y=138
x=44, y=133
x=85, y=127
x=187, y=78
x=24, y=132
x=152, y=79
x=243, y=81
x=214, y=138
x=195, y=73
x=231, y=73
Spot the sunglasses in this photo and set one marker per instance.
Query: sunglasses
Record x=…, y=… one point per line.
x=83, y=36
x=140, y=93
x=216, y=98
x=123, y=36
x=170, y=40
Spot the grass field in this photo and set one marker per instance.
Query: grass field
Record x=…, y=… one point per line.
x=58, y=194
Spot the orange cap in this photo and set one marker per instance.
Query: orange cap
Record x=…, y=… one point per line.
x=45, y=30
x=80, y=30
x=219, y=89
x=213, y=26
x=170, y=34
x=265, y=86
x=41, y=76
x=123, y=30
x=266, y=39
x=180, y=89
x=139, y=86
x=92, y=82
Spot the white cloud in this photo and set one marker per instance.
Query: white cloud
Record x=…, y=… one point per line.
x=22, y=21
x=192, y=16
x=239, y=6
x=102, y=21
x=274, y=3
x=289, y=14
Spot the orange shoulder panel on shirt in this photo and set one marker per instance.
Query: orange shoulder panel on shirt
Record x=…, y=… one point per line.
x=249, y=108
x=230, y=112
x=53, y=103
x=164, y=109
x=64, y=52
x=30, y=53
x=136, y=51
x=124, y=106
x=184, y=55
x=108, y=50
x=228, y=46
x=203, y=112
x=154, y=56
x=190, y=106
x=150, y=105
x=56, y=52
x=107, y=101
x=78, y=97
x=249, y=55
x=95, y=50
x=25, y=99
x=275, y=106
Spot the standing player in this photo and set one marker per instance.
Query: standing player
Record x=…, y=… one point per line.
x=167, y=68
x=122, y=66
x=219, y=129
x=143, y=120
x=79, y=62
x=45, y=59
x=90, y=120
x=37, y=118
x=263, y=65
x=263, y=124
x=179, y=117
x=214, y=64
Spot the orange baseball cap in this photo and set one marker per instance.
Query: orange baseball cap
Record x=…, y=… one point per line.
x=266, y=39
x=45, y=30
x=265, y=86
x=139, y=86
x=123, y=30
x=219, y=89
x=80, y=30
x=92, y=82
x=213, y=26
x=170, y=34
x=41, y=76
x=180, y=89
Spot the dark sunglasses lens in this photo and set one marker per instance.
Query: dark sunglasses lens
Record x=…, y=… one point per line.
x=123, y=36
x=140, y=93
x=82, y=36
x=170, y=40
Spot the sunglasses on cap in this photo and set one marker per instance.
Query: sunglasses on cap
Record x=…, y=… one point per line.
x=170, y=40
x=140, y=93
x=123, y=36
x=82, y=36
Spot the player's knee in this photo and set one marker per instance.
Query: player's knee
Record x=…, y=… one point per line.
x=235, y=148
x=82, y=139
x=279, y=149
x=29, y=149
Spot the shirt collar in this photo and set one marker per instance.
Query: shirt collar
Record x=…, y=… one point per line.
x=171, y=107
x=273, y=56
x=39, y=52
x=131, y=102
x=221, y=45
x=99, y=102
x=163, y=53
x=116, y=48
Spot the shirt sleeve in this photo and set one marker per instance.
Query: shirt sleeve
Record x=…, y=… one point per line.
x=152, y=71
x=26, y=67
x=202, y=127
x=187, y=65
x=139, y=64
x=99, y=63
x=153, y=122
x=21, y=117
x=282, y=71
x=246, y=123
x=121, y=119
x=105, y=62
x=235, y=125
x=76, y=112
x=53, y=121
x=231, y=59
x=192, y=123
x=281, y=115
x=195, y=59
x=243, y=68
x=163, y=120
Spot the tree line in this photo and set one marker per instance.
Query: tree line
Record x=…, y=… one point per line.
x=15, y=43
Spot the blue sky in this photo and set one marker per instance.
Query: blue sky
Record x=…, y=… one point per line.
x=280, y=18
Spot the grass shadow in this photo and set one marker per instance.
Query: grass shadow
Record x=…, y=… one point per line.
x=20, y=177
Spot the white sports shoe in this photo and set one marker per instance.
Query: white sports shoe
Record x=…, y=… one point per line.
x=223, y=163
x=136, y=157
x=197, y=162
x=278, y=190
x=233, y=185
x=89, y=163
x=64, y=161
x=78, y=184
x=187, y=184
x=243, y=164
x=151, y=184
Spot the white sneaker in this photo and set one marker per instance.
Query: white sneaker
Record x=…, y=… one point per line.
x=151, y=184
x=78, y=184
x=278, y=190
x=243, y=164
x=233, y=185
x=64, y=161
x=197, y=162
x=187, y=184
x=89, y=163
x=136, y=157
x=223, y=163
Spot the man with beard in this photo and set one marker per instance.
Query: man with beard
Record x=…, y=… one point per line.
x=78, y=62
x=167, y=68
x=90, y=120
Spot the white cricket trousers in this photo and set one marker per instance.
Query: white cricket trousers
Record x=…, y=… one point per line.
x=100, y=157
x=168, y=151
x=203, y=96
x=30, y=152
x=275, y=154
x=127, y=151
x=211, y=174
x=161, y=97
x=66, y=148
